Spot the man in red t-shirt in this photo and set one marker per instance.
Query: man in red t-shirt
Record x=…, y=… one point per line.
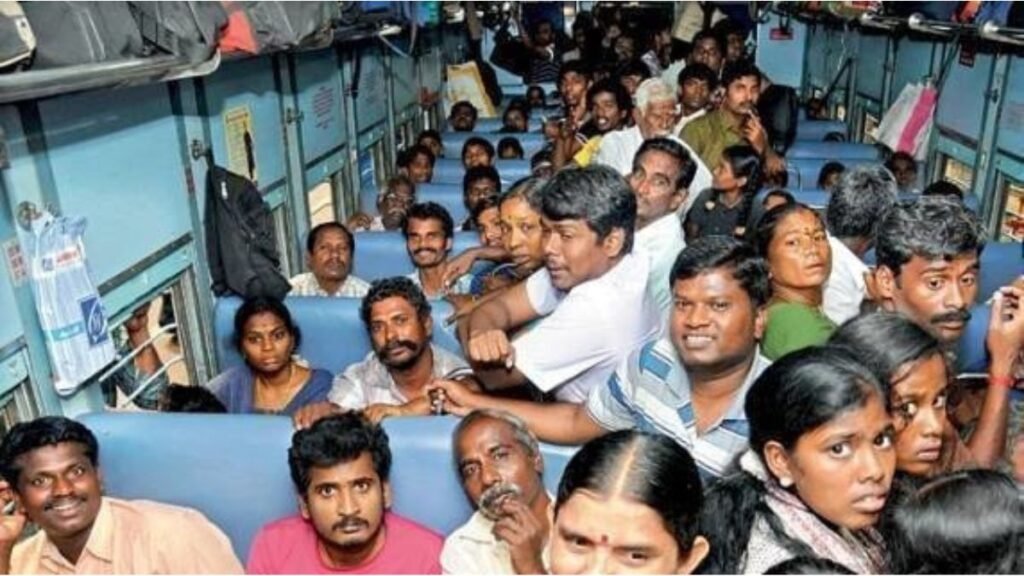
x=340, y=468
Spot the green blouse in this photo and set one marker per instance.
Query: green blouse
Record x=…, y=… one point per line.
x=792, y=327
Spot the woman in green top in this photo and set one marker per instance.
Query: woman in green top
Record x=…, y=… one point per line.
x=792, y=239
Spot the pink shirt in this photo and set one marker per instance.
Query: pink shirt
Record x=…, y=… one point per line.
x=289, y=546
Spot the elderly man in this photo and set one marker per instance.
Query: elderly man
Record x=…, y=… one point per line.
x=654, y=116
x=499, y=462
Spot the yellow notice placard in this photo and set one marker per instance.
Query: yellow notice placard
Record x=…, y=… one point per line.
x=240, y=140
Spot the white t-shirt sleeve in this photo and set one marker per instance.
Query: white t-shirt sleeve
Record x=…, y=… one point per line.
x=542, y=293
x=347, y=392
x=607, y=151
x=563, y=345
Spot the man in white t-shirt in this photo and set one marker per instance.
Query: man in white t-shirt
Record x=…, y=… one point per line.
x=586, y=309
x=655, y=116
x=855, y=207
x=662, y=174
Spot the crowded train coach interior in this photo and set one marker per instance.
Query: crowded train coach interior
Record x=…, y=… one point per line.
x=512, y=287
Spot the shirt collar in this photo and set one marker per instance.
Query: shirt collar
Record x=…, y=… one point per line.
x=736, y=410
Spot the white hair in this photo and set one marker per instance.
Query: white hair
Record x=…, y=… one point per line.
x=653, y=90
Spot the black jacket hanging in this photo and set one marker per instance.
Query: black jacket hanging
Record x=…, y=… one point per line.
x=240, y=242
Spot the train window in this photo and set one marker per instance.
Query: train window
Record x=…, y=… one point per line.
x=869, y=128
x=18, y=405
x=955, y=171
x=152, y=354
x=1011, y=221
x=321, y=203
x=380, y=163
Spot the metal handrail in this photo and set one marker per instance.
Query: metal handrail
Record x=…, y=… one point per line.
x=136, y=351
x=991, y=31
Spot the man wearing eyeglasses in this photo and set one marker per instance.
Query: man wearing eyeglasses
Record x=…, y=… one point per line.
x=662, y=173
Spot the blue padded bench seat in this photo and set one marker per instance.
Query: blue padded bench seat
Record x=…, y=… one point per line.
x=234, y=468
x=383, y=254
x=451, y=171
x=452, y=142
x=803, y=172
x=447, y=194
x=333, y=334
x=488, y=125
x=1001, y=263
x=817, y=129
x=839, y=151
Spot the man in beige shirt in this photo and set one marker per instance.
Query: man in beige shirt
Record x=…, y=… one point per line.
x=501, y=467
x=50, y=466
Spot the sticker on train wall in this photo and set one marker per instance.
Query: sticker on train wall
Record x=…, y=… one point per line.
x=16, y=265
x=241, y=142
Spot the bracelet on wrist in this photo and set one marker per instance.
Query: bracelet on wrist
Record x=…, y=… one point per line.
x=1006, y=382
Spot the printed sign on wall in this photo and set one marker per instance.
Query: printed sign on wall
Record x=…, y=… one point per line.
x=241, y=142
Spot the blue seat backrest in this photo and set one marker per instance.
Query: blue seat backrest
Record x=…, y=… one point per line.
x=451, y=171
x=1001, y=263
x=383, y=254
x=839, y=151
x=803, y=172
x=489, y=125
x=446, y=194
x=453, y=142
x=234, y=468
x=333, y=334
x=818, y=129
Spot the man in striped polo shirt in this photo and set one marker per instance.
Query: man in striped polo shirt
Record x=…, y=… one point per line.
x=690, y=384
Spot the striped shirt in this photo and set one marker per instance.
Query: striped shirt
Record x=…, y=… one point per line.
x=650, y=391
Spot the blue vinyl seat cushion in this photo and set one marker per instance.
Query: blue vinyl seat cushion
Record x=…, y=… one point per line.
x=234, y=468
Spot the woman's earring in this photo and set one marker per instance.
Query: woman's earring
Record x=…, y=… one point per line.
x=785, y=482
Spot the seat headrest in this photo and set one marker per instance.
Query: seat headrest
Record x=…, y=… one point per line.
x=234, y=468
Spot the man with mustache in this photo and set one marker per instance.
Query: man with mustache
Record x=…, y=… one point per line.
x=735, y=121
x=429, y=233
x=689, y=384
x=329, y=249
x=501, y=468
x=340, y=468
x=927, y=255
x=393, y=378
x=655, y=116
x=50, y=466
